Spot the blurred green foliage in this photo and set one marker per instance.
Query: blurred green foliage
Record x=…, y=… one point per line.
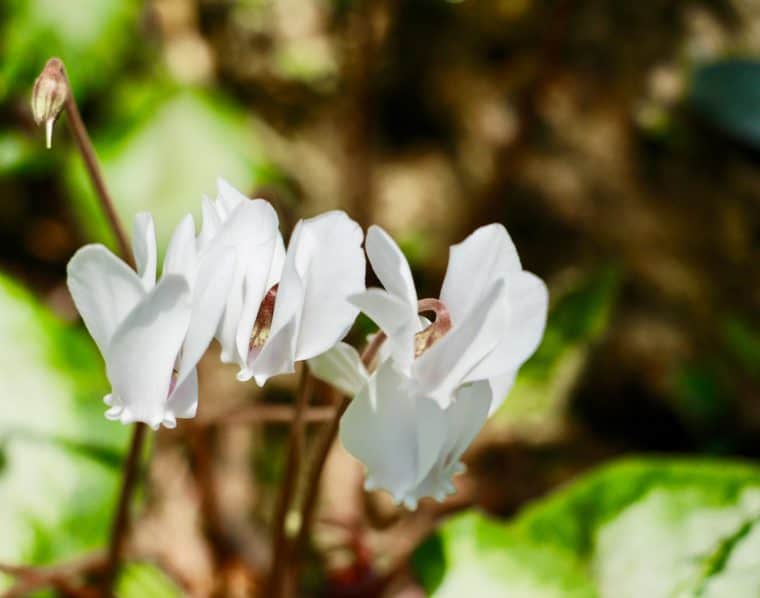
x=143, y=580
x=194, y=137
x=655, y=528
x=60, y=457
x=91, y=36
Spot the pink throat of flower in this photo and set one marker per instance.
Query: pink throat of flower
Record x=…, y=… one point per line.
x=425, y=339
x=263, y=324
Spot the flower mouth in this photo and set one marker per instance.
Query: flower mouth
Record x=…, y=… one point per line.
x=173, y=381
x=263, y=324
x=423, y=340
x=427, y=337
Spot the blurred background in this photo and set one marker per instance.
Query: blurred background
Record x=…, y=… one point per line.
x=619, y=142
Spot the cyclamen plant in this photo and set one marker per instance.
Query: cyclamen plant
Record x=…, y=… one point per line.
x=415, y=398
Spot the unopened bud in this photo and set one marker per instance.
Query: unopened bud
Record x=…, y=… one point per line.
x=49, y=95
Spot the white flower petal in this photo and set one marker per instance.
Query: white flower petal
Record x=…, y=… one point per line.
x=144, y=249
x=380, y=428
x=252, y=230
x=255, y=288
x=210, y=225
x=104, y=290
x=254, y=291
x=463, y=419
x=213, y=281
x=181, y=255
x=276, y=357
x=443, y=367
x=474, y=264
x=342, y=367
x=142, y=353
x=278, y=262
x=393, y=317
x=521, y=320
x=390, y=266
x=332, y=268
x=183, y=401
x=500, y=387
x=229, y=197
x=431, y=435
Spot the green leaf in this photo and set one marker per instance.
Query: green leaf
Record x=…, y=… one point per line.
x=91, y=36
x=635, y=529
x=59, y=472
x=164, y=159
x=143, y=580
x=577, y=320
x=727, y=93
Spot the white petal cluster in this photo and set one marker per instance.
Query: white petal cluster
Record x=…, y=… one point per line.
x=151, y=335
x=414, y=416
x=218, y=284
x=431, y=384
x=323, y=266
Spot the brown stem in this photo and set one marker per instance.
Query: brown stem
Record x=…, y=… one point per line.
x=370, y=351
x=82, y=138
x=322, y=451
x=54, y=69
x=270, y=414
x=37, y=578
x=201, y=442
x=280, y=544
x=120, y=523
x=323, y=445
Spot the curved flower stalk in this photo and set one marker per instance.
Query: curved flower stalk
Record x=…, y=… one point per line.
x=285, y=306
x=151, y=335
x=412, y=419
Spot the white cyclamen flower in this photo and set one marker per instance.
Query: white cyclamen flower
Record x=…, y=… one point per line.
x=250, y=228
x=494, y=312
x=409, y=445
x=150, y=335
x=290, y=306
x=412, y=419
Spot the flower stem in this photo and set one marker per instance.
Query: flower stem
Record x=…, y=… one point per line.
x=30, y=579
x=130, y=468
x=324, y=444
x=280, y=543
x=269, y=414
x=120, y=523
x=87, y=151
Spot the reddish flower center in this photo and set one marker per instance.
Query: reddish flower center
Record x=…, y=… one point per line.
x=263, y=323
x=425, y=339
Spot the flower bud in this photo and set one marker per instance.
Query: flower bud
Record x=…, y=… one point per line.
x=49, y=95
